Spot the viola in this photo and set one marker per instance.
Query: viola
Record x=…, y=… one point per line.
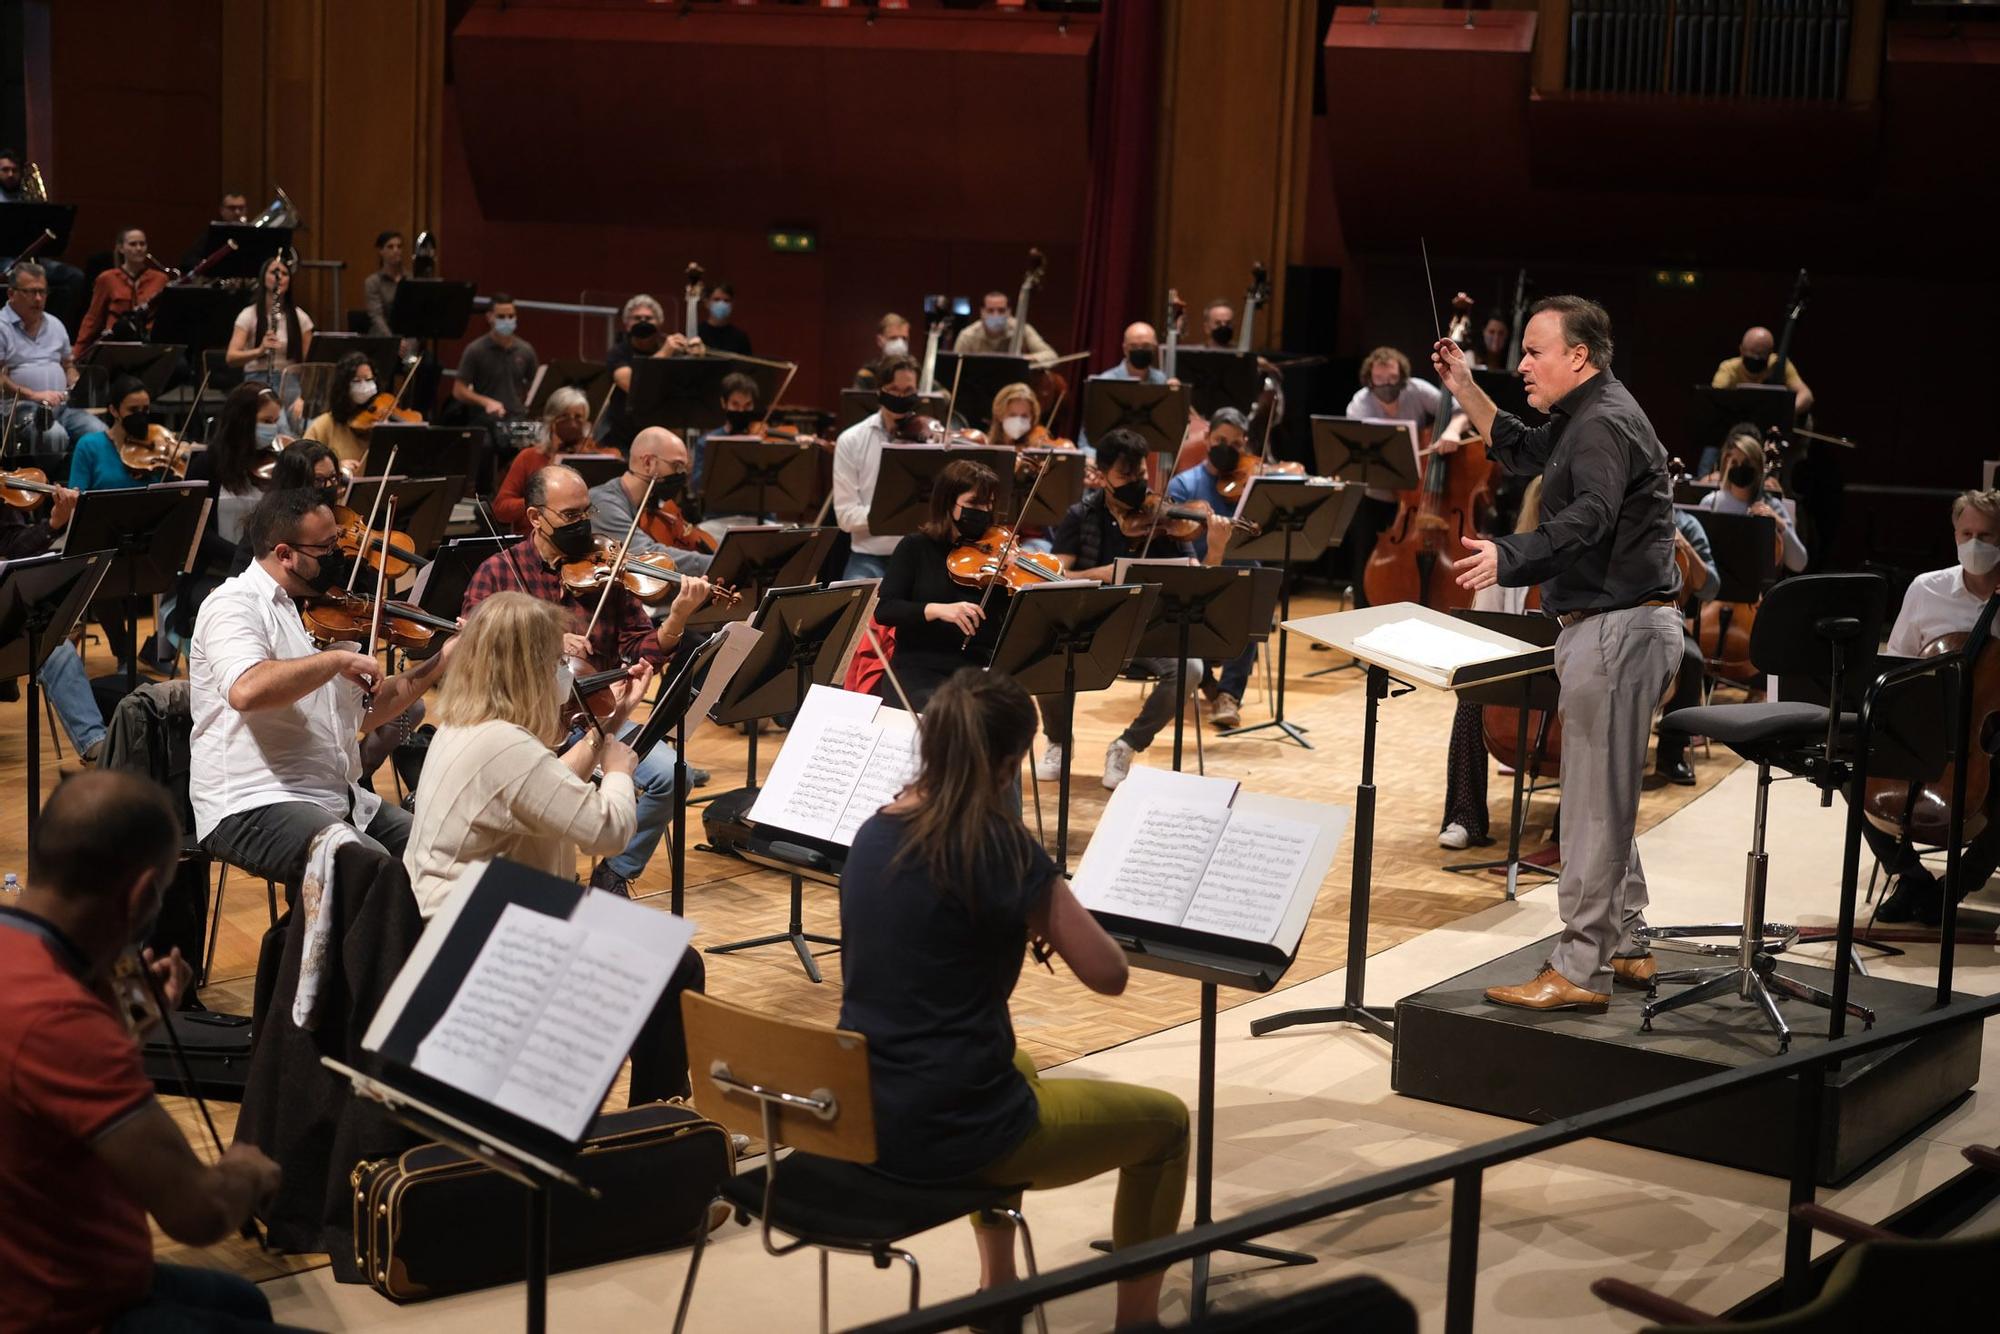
x=379, y=409
x=338, y=616
x=23, y=488
x=160, y=451
x=593, y=692
x=978, y=564
x=649, y=576
x=394, y=547
x=1248, y=466
x=670, y=527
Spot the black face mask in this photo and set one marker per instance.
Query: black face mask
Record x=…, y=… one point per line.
x=1131, y=495
x=329, y=494
x=1388, y=393
x=573, y=541
x=738, y=422
x=1755, y=365
x=972, y=523
x=668, y=486
x=1222, y=333
x=643, y=331
x=1742, y=475
x=1140, y=357
x=330, y=572
x=134, y=425
x=897, y=405
x=1224, y=458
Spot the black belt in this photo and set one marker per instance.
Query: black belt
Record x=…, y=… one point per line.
x=1568, y=618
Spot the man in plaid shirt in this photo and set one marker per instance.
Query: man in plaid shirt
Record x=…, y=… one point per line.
x=559, y=512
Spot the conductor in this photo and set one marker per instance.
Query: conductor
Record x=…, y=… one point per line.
x=1604, y=556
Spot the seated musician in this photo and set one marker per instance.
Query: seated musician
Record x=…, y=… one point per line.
x=235, y=453
x=62, y=676
x=559, y=514
x=1089, y=543
x=994, y=332
x=941, y=625
x=716, y=328
x=1753, y=364
x=943, y=891
x=1228, y=443
x=857, y=460
x=1014, y=422
x=131, y=282
x=274, y=754
x=566, y=426
x=739, y=417
x=1141, y=355
x=892, y=339
x=86, y=1149
x=497, y=367
x=271, y=335
x=95, y=464
x=345, y=426
x=1745, y=489
x=1218, y=324
x=37, y=370
x=1940, y=603
x=645, y=336
x=1704, y=582
x=1388, y=392
x=1495, y=350
x=657, y=455
x=233, y=206
x=494, y=786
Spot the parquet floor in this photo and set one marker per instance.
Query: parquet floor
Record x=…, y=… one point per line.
x=1055, y=1018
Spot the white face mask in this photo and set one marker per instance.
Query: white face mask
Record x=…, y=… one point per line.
x=996, y=324
x=361, y=390
x=895, y=347
x=1978, y=557
x=1016, y=427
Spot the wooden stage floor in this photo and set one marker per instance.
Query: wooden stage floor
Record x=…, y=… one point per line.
x=728, y=899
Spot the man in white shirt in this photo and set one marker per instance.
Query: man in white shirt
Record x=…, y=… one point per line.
x=1939, y=603
x=37, y=366
x=274, y=756
x=857, y=461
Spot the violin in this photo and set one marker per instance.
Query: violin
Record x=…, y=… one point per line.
x=593, y=693
x=160, y=451
x=648, y=576
x=1182, y=521
x=338, y=616
x=1232, y=486
x=667, y=525
x=977, y=564
x=23, y=488
x=394, y=547
x=379, y=409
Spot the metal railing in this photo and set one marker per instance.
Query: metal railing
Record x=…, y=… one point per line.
x=608, y=313
x=1465, y=1170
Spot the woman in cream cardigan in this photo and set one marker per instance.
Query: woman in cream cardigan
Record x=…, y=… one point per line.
x=493, y=786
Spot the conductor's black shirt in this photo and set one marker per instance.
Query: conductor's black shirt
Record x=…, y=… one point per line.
x=1606, y=537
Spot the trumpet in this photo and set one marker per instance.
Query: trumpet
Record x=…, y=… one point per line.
x=34, y=190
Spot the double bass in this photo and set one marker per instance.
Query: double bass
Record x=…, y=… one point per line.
x=1414, y=556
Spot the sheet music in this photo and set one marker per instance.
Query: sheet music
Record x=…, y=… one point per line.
x=839, y=755
x=474, y=1044
x=890, y=768
x=1251, y=876
x=1155, y=837
x=595, y=1009
x=738, y=637
x=1427, y=645
x=846, y=758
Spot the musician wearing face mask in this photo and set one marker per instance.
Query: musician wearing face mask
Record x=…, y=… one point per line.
x=566, y=424
x=86, y=1149
x=1218, y=324
x=994, y=332
x=1388, y=392
x=95, y=464
x=892, y=339
x=559, y=531
x=1743, y=491
x=658, y=456
x=1754, y=364
x=646, y=335
x=857, y=461
x=1228, y=445
x=342, y=428
x=497, y=367
x=274, y=751
x=1944, y=602
x=717, y=327
x=941, y=625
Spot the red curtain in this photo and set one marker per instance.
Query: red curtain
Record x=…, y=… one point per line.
x=1115, y=270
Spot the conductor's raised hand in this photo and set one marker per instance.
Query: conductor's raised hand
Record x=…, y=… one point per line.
x=1453, y=370
x=1480, y=569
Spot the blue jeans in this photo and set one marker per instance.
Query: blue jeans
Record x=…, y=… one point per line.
x=655, y=780
x=68, y=687
x=1234, y=676
x=195, y=1300
x=861, y=565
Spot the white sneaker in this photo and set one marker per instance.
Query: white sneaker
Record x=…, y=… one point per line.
x=1117, y=762
x=1454, y=836
x=1048, y=767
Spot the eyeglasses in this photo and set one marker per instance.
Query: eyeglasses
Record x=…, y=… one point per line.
x=32, y=293
x=317, y=549
x=574, y=516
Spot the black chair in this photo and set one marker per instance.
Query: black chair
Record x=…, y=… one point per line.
x=1813, y=633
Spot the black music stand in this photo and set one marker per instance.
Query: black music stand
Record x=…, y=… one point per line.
x=151, y=364
x=807, y=635
x=1539, y=691
x=195, y=317
x=593, y=378
x=857, y=404
x=21, y=225
x=431, y=308
x=1061, y=486
x=1218, y=377
x=1377, y=454
x=754, y=560
x=444, y=581
x=971, y=379
x=448, y=451
x=1202, y=610
x=902, y=500
x=384, y=353
x=1745, y=548
x=153, y=531
x=1294, y=519
x=594, y=469
x=40, y=600
x=684, y=394
x=423, y=505
x=1712, y=411
x=254, y=245
x=1159, y=414
x=749, y=474
x=670, y=706
x=1066, y=639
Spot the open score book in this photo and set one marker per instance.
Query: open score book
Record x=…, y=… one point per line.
x=845, y=758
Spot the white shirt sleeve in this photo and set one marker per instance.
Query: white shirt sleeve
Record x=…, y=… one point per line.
x=1903, y=636
x=850, y=507
x=234, y=637
x=552, y=802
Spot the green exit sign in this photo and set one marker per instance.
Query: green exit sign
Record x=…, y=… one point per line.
x=794, y=242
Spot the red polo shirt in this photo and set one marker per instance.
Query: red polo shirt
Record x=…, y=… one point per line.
x=74, y=1248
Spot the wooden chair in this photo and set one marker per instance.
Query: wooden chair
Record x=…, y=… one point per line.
x=805, y=1087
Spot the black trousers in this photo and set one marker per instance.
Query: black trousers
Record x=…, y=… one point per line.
x=660, y=1053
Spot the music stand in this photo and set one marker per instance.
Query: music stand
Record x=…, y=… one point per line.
x=857, y=404
x=902, y=500
x=152, y=531
x=1218, y=377
x=1712, y=411
x=1159, y=414
x=594, y=469
x=670, y=706
x=1540, y=691
x=431, y=308
x=807, y=633
x=21, y=225
x=1061, y=486
x=254, y=245
x=1745, y=548
x=1062, y=639
x=195, y=317
x=384, y=354
x=423, y=505
x=1509, y=393
x=1294, y=519
x=1202, y=611
x=40, y=600
x=753, y=560
x=1380, y=455
x=592, y=377
x=749, y=474
x=151, y=364
x=446, y=451
x=441, y=585
x=975, y=377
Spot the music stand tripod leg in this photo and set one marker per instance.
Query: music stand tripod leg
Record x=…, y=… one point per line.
x=1278, y=720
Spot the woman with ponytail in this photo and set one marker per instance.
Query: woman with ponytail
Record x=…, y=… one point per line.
x=942, y=892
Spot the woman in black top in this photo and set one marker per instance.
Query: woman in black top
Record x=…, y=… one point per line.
x=931, y=612
x=942, y=891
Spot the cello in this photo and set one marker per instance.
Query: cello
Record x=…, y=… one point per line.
x=1414, y=556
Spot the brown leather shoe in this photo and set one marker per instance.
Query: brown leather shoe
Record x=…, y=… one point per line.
x=1637, y=971
x=1549, y=991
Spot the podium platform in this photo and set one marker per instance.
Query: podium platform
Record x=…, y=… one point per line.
x=1454, y=1047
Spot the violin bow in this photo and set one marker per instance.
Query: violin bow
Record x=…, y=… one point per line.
x=1013, y=542
x=624, y=548
x=381, y=598
x=368, y=527
x=791, y=370
x=521, y=586
x=187, y=423
x=1431, y=283
x=889, y=669
x=181, y=1068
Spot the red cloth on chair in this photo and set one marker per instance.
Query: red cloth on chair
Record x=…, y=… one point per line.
x=865, y=668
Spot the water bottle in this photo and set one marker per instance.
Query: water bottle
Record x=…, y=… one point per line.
x=10, y=890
